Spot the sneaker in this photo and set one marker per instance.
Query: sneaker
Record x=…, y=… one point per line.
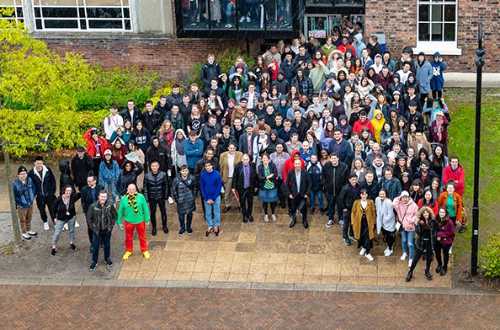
x=26, y=236
x=409, y=262
x=228, y=26
x=386, y=251
x=362, y=252
x=248, y=19
x=77, y=225
x=93, y=267
x=65, y=227
x=273, y=217
x=449, y=252
x=390, y=253
x=146, y=255
x=53, y=251
x=330, y=223
x=189, y=231
x=347, y=242
x=369, y=257
x=46, y=226
x=32, y=233
x=403, y=257
x=428, y=276
x=243, y=18
x=266, y=218
x=126, y=255
x=182, y=231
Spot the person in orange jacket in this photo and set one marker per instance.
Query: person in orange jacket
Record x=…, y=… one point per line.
x=452, y=202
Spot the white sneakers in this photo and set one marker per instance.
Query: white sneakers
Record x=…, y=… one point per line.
x=403, y=257
x=362, y=252
x=273, y=217
x=409, y=263
x=77, y=224
x=26, y=236
x=369, y=257
x=266, y=218
x=46, y=226
x=387, y=252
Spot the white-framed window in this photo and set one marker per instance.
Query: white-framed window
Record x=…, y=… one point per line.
x=12, y=10
x=82, y=15
x=437, y=26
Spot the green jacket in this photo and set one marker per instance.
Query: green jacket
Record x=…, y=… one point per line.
x=126, y=212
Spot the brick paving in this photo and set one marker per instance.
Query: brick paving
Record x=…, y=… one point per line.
x=49, y=307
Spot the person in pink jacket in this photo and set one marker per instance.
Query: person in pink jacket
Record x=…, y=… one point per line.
x=406, y=210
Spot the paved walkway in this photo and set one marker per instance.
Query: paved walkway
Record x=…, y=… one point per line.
x=149, y=308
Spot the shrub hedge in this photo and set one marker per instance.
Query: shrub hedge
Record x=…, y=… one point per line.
x=490, y=257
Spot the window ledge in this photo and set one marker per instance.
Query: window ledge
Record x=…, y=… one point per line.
x=443, y=48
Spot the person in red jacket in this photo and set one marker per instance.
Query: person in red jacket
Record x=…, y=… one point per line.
x=288, y=166
x=96, y=145
x=362, y=123
x=428, y=201
x=455, y=172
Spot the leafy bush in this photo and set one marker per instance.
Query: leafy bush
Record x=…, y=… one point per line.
x=490, y=257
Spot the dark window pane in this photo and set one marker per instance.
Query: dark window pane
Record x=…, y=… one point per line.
x=59, y=12
x=437, y=32
x=128, y=25
x=449, y=13
x=83, y=24
x=423, y=32
x=60, y=24
x=318, y=3
x=19, y=12
x=348, y=3
x=194, y=15
x=81, y=11
x=93, y=24
x=126, y=13
x=449, y=32
x=423, y=13
x=437, y=13
x=37, y=12
x=279, y=15
x=38, y=24
x=104, y=12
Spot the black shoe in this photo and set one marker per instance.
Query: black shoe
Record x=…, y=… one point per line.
x=181, y=231
x=305, y=223
x=442, y=272
x=347, y=242
x=53, y=251
x=109, y=262
x=313, y=210
x=217, y=231
x=189, y=231
x=292, y=222
x=227, y=209
x=428, y=276
x=153, y=231
x=165, y=230
x=92, y=267
x=409, y=276
x=250, y=218
x=72, y=246
x=438, y=269
x=245, y=219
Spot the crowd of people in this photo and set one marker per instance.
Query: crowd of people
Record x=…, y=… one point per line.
x=343, y=130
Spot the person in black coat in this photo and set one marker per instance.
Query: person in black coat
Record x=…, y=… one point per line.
x=151, y=118
x=155, y=189
x=131, y=114
x=349, y=193
x=128, y=175
x=45, y=190
x=65, y=178
x=333, y=178
x=89, y=195
x=81, y=166
x=244, y=184
x=159, y=152
x=65, y=214
x=298, y=184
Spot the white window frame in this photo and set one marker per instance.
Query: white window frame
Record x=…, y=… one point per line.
x=15, y=4
x=443, y=47
x=84, y=6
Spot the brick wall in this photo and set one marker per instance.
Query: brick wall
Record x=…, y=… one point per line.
x=398, y=21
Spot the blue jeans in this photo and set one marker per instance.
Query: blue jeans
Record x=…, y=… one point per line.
x=212, y=213
x=103, y=237
x=408, y=242
x=59, y=228
x=316, y=195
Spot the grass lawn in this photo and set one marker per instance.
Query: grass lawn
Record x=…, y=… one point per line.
x=461, y=103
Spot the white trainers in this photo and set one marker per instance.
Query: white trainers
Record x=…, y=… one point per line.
x=449, y=252
x=389, y=253
x=369, y=257
x=386, y=251
x=26, y=236
x=46, y=226
x=403, y=257
x=273, y=217
x=77, y=224
x=266, y=218
x=65, y=227
x=409, y=263
x=362, y=252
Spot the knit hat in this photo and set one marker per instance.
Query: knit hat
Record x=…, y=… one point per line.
x=21, y=169
x=404, y=193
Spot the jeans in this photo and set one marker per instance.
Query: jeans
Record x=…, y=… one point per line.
x=59, y=228
x=212, y=213
x=317, y=195
x=185, y=220
x=163, y=211
x=331, y=206
x=408, y=242
x=103, y=237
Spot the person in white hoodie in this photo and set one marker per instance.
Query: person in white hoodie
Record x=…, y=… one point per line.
x=386, y=222
x=112, y=122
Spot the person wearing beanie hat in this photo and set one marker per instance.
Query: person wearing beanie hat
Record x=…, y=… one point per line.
x=24, y=196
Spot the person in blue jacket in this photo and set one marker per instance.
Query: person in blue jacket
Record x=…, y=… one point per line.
x=424, y=75
x=24, y=195
x=109, y=174
x=210, y=187
x=193, y=149
x=437, y=80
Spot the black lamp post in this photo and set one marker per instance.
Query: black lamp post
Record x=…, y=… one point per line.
x=480, y=52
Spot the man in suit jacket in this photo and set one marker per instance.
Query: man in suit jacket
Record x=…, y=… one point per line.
x=298, y=184
x=227, y=163
x=246, y=141
x=244, y=183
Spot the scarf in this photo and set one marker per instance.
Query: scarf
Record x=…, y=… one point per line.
x=132, y=202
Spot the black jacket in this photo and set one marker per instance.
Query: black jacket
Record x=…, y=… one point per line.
x=426, y=236
x=126, y=116
x=45, y=186
x=334, y=177
x=160, y=154
x=238, y=178
x=347, y=196
x=88, y=196
x=127, y=178
x=152, y=121
x=101, y=218
x=64, y=213
x=209, y=72
x=261, y=177
x=291, y=184
x=156, y=185
x=80, y=169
